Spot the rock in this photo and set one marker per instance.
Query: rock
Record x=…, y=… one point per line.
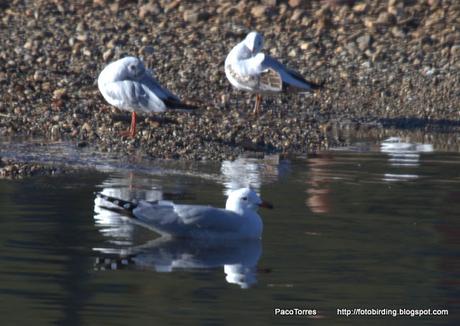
x=193, y=16
x=397, y=32
x=352, y=49
x=172, y=5
x=59, y=93
x=258, y=11
x=147, y=50
x=364, y=42
x=107, y=55
x=294, y=3
x=304, y=46
x=360, y=7
x=297, y=14
x=271, y=3
x=86, y=128
x=385, y=18
x=455, y=51
x=148, y=9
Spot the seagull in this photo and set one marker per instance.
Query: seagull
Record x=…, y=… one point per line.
x=250, y=70
x=128, y=85
x=239, y=220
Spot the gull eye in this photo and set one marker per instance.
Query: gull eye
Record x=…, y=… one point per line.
x=244, y=198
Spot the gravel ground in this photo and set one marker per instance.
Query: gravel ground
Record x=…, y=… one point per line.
x=390, y=63
x=11, y=169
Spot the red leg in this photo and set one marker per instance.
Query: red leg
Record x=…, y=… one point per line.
x=257, y=106
x=132, y=130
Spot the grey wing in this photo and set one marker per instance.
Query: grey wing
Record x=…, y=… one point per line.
x=133, y=95
x=170, y=100
x=288, y=76
x=209, y=217
x=181, y=219
x=151, y=83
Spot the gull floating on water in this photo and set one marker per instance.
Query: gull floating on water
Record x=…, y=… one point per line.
x=250, y=70
x=239, y=219
x=128, y=85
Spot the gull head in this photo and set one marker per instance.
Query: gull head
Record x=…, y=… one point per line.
x=245, y=199
x=254, y=42
x=132, y=67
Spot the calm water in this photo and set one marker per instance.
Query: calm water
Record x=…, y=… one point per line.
x=373, y=227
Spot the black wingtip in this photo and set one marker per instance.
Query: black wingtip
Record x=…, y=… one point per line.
x=316, y=86
x=180, y=106
x=124, y=204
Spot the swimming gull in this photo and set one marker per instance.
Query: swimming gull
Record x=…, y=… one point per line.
x=239, y=219
x=250, y=70
x=128, y=85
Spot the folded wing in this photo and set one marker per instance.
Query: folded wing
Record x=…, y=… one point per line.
x=290, y=78
x=185, y=220
x=133, y=95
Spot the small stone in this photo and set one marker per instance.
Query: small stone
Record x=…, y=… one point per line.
x=455, y=51
x=351, y=48
x=59, y=93
x=294, y=3
x=360, y=7
x=292, y=53
x=271, y=3
x=147, y=50
x=304, y=46
x=194, y=16
x=298, y=13
x=55, y=131
x=148, y=9
x=364, y=42
x=385, y=18
x=86, y=127
x=397, y=32
x=258, y=11
x=172, y=5
x=369, y=23
x=107, y=55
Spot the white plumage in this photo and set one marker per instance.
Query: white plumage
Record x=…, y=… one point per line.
x=239, y=219
x=250, y=70
x=128, y=85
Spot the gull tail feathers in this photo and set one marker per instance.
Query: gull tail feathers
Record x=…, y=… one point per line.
x=125, y=205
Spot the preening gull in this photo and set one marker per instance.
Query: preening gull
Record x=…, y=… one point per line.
x=128, y=85
x=250, y=70
x=239, y=219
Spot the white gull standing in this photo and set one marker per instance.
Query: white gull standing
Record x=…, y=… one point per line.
x=239, y=219
x=128, y=85
x=250, y=70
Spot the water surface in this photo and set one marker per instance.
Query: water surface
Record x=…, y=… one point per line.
x=371, y=226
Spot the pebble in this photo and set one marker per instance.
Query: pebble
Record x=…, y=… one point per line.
x=258, y=11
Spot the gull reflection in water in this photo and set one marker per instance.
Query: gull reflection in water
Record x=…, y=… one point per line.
x=238, y=258
x=403, y=154
x=319, y=180
x=252, y=172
